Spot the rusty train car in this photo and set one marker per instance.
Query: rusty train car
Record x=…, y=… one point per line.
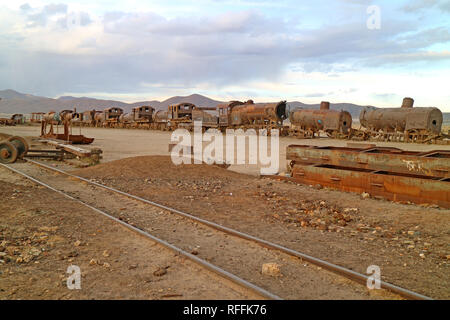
x=310, y=122
x=406, y=123
x=87, y=118
x=183, y=115
x=233, y=115
x=139, y=117
x=177, y=115
x=108, y=118
x=236, y=114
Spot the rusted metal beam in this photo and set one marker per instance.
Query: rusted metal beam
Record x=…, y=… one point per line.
x=72, y=149
x=434, y=163
x=393, y=186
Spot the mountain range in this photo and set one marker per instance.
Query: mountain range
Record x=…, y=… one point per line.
x=16, y=102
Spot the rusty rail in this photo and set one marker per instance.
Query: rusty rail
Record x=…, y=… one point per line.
x=219, y=271
x=348, y=273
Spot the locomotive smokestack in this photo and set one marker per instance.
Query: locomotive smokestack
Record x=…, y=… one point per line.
x=408, y=103
x=324, y=105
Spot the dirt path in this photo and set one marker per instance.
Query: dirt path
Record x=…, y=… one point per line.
x=43, y=233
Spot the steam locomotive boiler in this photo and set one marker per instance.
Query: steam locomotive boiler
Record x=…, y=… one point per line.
x=402, y=124
x=309, y=122
x=236, y=114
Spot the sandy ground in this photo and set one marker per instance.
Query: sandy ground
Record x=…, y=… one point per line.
x=43, y=233
x=297, y=279
x=410, y=243
x=123, y=143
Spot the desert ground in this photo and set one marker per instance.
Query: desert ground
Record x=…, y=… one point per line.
x=124, y=143
x=41, y=236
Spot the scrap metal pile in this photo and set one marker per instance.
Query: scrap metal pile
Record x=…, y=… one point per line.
x=15, y=119
x=234, y=114
x=391, y=173
x=52, y=119
x=12, y=148
x=404, y=124
x=309, y=123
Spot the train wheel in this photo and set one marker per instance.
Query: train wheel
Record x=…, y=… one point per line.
x=8, y=152
x=20, y=144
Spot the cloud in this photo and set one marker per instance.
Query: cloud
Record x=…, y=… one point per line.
x=417, y=5
x=445, y=6
x=314, y=95
x=386, y=97
x=119, y=51
x=40, y=17
x=55, y=14
x=420, y=5
x=407, y=58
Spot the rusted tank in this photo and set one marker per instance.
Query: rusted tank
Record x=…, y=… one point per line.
x=404, y=119
x=126, y=117
x=207, y=119
x=88, y=118
x=323, y=119
x=160, y=119
x=250, y=113
x=160, y=116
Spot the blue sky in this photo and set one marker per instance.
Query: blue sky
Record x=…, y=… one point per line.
x=228, y=49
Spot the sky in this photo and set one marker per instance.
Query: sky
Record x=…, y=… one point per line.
x=359, y=51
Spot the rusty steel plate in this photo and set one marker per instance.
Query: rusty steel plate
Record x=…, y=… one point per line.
x=392, y=186
x=434, y=163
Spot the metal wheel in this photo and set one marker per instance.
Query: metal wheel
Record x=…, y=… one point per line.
x=8, y=152
x=20, y=144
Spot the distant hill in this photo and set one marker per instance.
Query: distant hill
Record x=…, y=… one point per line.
x=16, y=102
x=353, y=109
x=11, y=94
x=446, y=116
x=196, y=99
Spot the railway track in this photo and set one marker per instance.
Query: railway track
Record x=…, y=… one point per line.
x=273, y=247
x=209, y=266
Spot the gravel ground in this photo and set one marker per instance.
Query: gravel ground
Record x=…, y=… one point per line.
x=296, y=279
x=410, y=243
x=43, y=233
